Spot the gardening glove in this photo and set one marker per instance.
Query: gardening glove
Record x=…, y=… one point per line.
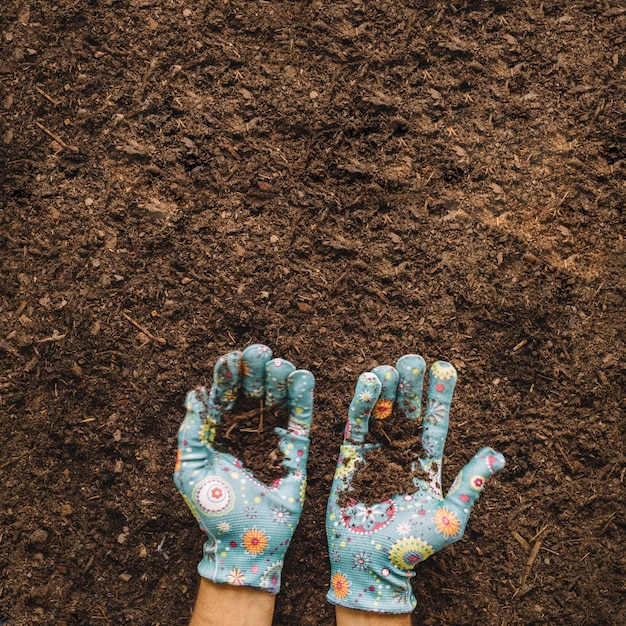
x=375, y=547
x=248, y=524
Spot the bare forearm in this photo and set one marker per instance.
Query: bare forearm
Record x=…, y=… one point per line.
x=227, y=605
x=349, y=617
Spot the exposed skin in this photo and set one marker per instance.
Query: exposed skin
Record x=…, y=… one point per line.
x=350, y=617
x=226, y=605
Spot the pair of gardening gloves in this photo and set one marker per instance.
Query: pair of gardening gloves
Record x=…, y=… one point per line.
x=374, y=548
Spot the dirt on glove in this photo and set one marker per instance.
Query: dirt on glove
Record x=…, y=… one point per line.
x=247, y=432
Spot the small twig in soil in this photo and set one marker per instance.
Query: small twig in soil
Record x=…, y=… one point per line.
x=529, y=565
x=230, y=430
x=337, y=282
x=46, y=96
x=521, y=541
x=559, y=447
x=143, y=329
x=56, y=138
x=521, y=344
x=607, y=523
x=540, y=532
x=55, y=337
x=382, y=430
x=259, y=428
x=16, y=458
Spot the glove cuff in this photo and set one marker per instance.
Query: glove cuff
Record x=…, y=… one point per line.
x=369, y=592
x=223, y=567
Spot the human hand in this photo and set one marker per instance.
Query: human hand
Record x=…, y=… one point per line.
x=374, y=547
x=248, y=524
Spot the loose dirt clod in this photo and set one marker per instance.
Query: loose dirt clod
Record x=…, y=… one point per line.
x=248, y=433
x=387, y=470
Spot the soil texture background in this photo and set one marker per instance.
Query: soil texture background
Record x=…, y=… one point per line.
x=345, y=182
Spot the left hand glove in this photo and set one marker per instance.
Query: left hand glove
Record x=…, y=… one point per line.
x=248, y=524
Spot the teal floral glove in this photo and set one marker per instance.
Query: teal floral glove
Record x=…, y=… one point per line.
x=374, y=548
x=248, y=524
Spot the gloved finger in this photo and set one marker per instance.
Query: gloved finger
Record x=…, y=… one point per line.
x=193, y=436
x=253, y=361
x=437, y=414
x=276, y=373
x=300, y=385
x=293, y=441
x=225, y=389
x=366, y=394
x=465, y=490
x=295, y=452
x=411, y=369
x=388, y=377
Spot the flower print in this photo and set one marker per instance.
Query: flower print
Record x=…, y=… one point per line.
x=270, y=580
x=402, y=595
x=435, y=412
x=207, y=432
x=403, y=529
x=477, y=482
x=365, y=396
x=251, y=512
x=361, y=560
x=361, y=518
x=214, y=496
x=427, y=443
x=254, y=541
x=447, y=523
x=230, y=395
x=224, y=527
x=346, y=464
x=280, y=514
x=383, y=409
x=335, y=556
x=368, y=516
x=236, y=576
x=297, y=427
x=408, y=552
x=340, y=585
x=443, y=370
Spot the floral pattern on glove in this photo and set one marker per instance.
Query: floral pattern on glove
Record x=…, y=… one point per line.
x=375, y=548
x=248, y=524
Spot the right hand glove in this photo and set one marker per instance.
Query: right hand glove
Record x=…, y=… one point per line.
x=374, y=548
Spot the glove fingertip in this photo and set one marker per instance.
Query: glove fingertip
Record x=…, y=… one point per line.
x=494, y=460
x=472, y=479
x=300, y=385
x=300, y=382
x=366, y=394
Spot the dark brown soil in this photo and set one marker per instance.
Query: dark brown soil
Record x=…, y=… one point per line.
x=388, y=469
x=247, y=432
x=346, y=182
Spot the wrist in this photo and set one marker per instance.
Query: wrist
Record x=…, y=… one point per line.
x=352, y=617
x=228, y=605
